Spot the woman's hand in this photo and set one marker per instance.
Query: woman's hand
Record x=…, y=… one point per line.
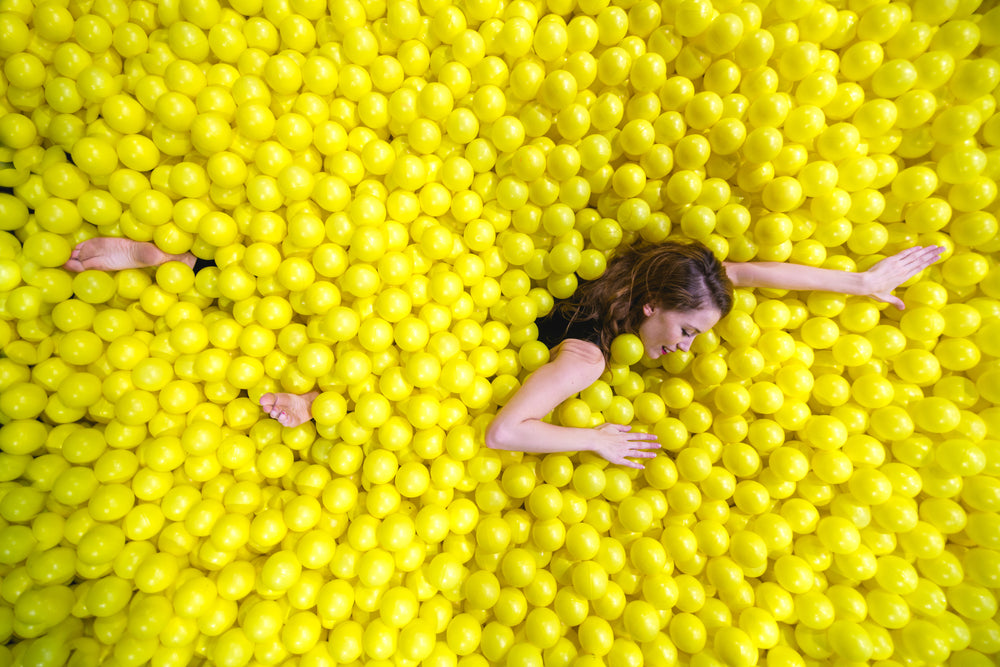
x=882, y=278
x=617, y=444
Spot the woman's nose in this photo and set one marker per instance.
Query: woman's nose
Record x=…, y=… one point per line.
x=686, y=345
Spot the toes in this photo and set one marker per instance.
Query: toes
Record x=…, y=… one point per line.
x=280, y=408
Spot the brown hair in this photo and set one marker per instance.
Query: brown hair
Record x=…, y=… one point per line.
x=670, y=276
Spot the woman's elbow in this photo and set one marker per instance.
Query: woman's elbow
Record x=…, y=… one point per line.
x=497, y=435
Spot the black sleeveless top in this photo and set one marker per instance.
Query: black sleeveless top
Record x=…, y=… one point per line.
x=555, y=327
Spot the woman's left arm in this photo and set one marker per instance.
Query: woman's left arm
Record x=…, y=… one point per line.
x=878, y=282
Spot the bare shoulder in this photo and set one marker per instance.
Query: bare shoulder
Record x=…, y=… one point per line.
x=573, y=351
x=578, y=356
x=575, y=365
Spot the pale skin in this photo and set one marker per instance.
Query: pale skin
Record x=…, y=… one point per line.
x=575, y=364
x=114, y=254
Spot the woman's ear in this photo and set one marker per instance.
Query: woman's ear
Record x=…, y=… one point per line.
x=647, y=310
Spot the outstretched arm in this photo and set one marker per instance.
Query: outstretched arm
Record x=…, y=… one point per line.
x=878, y=282
x=519, y=426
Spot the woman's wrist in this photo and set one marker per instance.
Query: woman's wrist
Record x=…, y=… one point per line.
x=597, y=439
x=865, y=283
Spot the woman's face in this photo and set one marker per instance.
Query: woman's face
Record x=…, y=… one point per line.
x=666, y=331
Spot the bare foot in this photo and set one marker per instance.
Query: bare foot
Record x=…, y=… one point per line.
x=289, y=409
x=113, y=254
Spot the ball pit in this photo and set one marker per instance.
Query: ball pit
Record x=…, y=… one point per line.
x=393, y=192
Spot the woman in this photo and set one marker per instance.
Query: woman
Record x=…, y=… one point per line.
x=666, y=294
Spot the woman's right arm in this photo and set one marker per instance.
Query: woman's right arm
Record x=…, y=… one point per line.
x=519, y=426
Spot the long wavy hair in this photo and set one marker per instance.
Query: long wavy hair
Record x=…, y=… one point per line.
x=671, y=276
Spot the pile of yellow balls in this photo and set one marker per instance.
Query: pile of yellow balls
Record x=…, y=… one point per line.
x=393, y=192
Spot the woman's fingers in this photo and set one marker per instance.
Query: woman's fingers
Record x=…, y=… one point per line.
x=919, y=258
x=896, y=270
x=895, y=301
x=924, y=257
x=624, y=459
x=638, y=450
x=903, y=266
x=644, y=443
x=642, y=454
x=629, y=444
x=931, y=255
x=917, y=254
x=888, y=297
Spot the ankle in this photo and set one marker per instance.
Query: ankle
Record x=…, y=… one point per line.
x=147, y=254
x=187, y=258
